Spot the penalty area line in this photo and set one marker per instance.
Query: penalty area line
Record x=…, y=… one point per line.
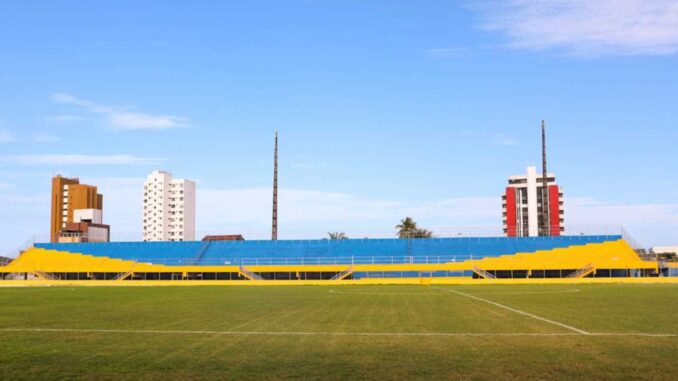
x=533, y=316
x=292, y=333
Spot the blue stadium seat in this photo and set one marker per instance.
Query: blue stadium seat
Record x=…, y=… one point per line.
x=324, y=251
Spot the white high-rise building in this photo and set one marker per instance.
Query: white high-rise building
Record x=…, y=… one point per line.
x=169, y=208
x=523, y=206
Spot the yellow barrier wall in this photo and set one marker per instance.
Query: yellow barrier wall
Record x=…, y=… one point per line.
x=364, y=281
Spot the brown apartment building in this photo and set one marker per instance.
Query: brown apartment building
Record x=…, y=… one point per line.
x=77, y=211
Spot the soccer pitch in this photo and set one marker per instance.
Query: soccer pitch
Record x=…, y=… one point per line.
x=346, y=332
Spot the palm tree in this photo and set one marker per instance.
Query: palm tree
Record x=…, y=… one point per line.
x=407, y=228
x=337, y=235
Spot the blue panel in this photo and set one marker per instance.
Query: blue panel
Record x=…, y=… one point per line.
x=358, y=251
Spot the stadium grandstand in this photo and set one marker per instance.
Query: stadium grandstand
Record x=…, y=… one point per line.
x=355, y=260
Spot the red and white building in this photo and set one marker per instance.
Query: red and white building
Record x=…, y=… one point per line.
x=522, y=206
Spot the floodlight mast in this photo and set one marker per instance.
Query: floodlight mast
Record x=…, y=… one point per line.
x=274, y=227
x=545, y=205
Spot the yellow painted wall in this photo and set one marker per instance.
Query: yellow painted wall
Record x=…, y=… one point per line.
x=364, y=281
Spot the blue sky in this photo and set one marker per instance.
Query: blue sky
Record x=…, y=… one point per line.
x=385, y=108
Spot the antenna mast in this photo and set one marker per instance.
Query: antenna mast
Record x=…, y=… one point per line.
x=274, y=229
x=545, y=189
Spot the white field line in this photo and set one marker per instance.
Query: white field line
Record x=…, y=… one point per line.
x=379, y=293
x=569, y=327
x=530, y=292
x=346, y=292
x=292, y=333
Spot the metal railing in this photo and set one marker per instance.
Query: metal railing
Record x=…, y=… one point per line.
x=250, y=275
x=582, y=272
x=353, y=260
x=483, y=273
x=364, y=233
x=630, y=240
x=21, y=248
x=343, y=274
x=343, y=260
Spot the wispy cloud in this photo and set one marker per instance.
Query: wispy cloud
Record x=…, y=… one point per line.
x=585, y=27
x=312, y=213
x=65, y=118
x=4, y=186
x=651, y=224
x=6, y=137
x=141, y=121
x=121, y=118
x=305, y=213
x=586, y=210
x=80, y=160
x=45, y=138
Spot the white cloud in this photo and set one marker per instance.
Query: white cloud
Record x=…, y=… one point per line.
x=79, y=159
x=585, y=27
x=139, y=121
x=302, y=213
x=310, y=214
x=307, y=213
x=66, y=118
x=44, y=138
x=64, y=98
x=299, y=206
x=6, y=137
x=120, y=118
x=4, y=186
x=651, y=224
x=586, y=210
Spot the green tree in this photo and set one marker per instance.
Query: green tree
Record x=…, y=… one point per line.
x=407, y=228
x=337, y=235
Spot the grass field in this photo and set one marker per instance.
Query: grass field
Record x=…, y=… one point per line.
x=372, y=332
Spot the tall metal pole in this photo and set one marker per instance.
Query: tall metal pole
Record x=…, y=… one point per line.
x=274, y=229
x=545, y=189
